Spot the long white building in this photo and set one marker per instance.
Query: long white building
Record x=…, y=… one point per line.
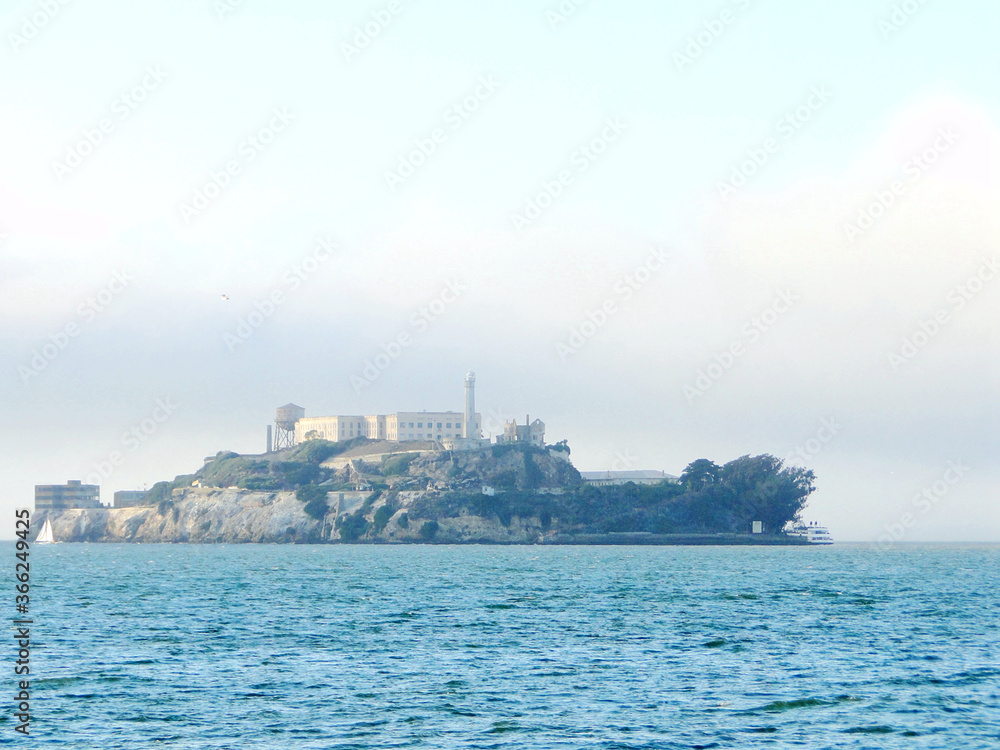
x=403, y=425
x=456, y=428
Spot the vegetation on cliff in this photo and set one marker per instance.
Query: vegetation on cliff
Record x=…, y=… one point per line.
x=364, y=490
x=295, y=469
x=708, y=499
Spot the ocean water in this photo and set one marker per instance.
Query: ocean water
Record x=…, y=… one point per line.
x=149, y=646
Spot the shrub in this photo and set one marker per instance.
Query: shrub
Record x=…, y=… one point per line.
x=382, y=516
x=396, y=465
x=259, y=483
x=315, y=500
x=533, y=476
x=353, y=527
x=158, y=493
x=298, y=472
x=429, y=530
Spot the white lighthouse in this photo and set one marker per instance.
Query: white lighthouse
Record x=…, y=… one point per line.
x=469, y=420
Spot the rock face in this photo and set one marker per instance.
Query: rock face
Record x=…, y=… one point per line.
x=207, y=515
x=364, y=491
x=192, y=515
x=374, y=493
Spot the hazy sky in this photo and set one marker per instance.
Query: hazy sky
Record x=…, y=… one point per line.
x=669, y=230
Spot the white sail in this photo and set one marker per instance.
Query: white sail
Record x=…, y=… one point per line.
x=45, y=536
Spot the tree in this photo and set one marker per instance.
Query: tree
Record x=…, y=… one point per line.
x=765, y=490
x=315, y=500
x=562, y=446
x=699, y=474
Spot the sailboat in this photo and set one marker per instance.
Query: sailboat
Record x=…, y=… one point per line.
x=45, y=536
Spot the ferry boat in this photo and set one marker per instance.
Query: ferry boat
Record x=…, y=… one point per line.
x=812, y=532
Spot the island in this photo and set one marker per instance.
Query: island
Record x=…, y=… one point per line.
x=394, y=492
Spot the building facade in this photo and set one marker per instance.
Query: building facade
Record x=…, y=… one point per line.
x=453, y=428
x=130, y=498
x=529, y=432
x=73, y=494
x=640, y=476
x=403, y=425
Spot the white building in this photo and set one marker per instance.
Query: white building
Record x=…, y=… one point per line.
x=452, y=428
x=529, y=432
x=640, y=476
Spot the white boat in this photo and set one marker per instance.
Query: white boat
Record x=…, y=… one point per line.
x=812, y=532
x=45, y=536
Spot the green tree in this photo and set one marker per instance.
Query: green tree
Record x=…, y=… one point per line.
x=315, y=500
x=382, y=516
x=765, y=490
x=700, y=473
x=353, y=527
x=562, y=445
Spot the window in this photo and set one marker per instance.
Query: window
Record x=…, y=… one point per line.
x=420, y=424
x=439, y=425
x=449, y=425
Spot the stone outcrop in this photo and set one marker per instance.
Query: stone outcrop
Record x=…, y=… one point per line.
x=192, y=515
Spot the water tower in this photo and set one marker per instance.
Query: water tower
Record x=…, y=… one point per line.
x=284, y=425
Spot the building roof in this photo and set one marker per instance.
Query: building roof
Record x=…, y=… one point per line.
x=626, y=475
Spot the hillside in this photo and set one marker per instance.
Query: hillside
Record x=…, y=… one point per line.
x=380, y=491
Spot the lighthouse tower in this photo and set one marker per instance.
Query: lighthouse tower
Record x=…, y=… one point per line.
x=469, y=421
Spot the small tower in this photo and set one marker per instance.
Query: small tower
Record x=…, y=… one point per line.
x=469, y=420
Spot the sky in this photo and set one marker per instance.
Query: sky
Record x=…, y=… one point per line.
x=671, y=231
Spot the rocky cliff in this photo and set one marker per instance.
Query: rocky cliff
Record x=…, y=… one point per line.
x=379, y=492
x=363, y=491
x=192, y=515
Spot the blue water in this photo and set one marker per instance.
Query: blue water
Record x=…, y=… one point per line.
x=145, y=646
